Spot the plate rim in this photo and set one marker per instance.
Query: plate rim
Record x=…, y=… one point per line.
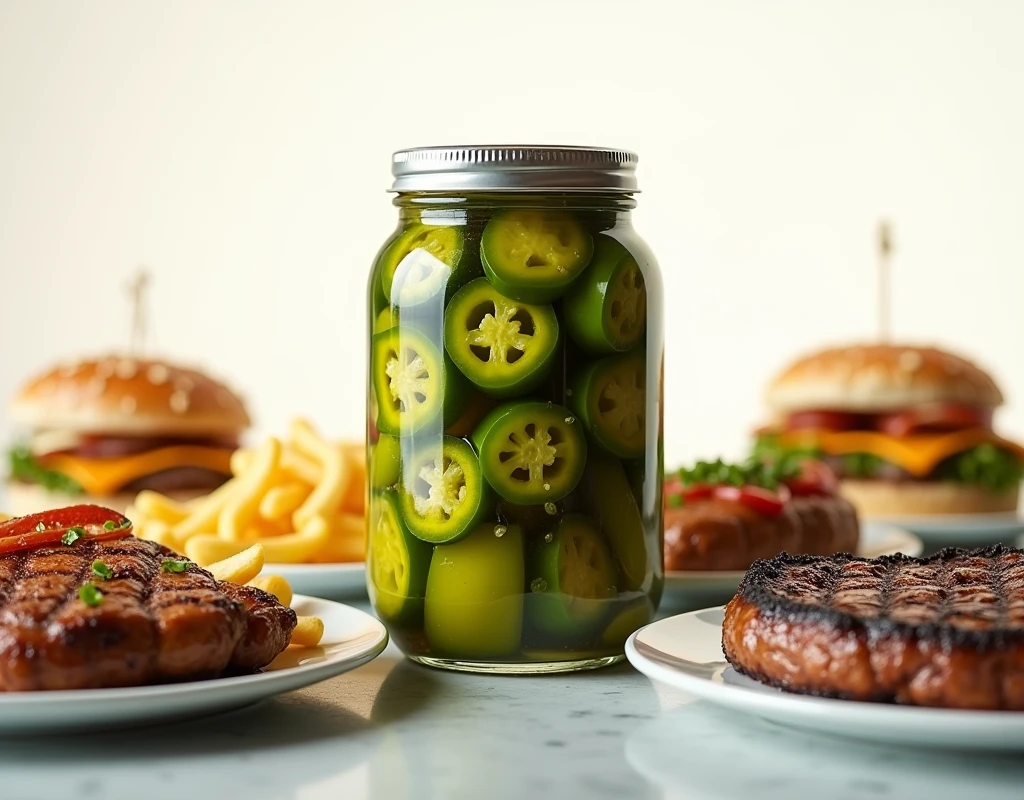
x=126, y=694
x=753, y=700
x=342, y=567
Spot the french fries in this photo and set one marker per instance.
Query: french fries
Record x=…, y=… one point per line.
x=275, y=585
x=308, y=632
x=244, y=567
x=241, y=507
x=300, y=497
x=241, y=567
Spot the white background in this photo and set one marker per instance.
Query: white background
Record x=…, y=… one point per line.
x=241, y=151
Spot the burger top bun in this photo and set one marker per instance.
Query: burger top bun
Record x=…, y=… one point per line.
x=129, y=396
x=880, y=377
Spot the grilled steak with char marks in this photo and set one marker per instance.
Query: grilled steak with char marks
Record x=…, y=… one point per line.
x=151, y=626
x=946, y=631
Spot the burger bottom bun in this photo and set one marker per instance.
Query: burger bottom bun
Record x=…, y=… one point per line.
x=28, y=498
x=892, y=499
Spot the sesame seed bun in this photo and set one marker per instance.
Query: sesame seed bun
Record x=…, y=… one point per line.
x=893, y=499
x=129, y=396
x=880, y=377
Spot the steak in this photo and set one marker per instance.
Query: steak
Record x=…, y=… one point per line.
x=715, y=534
x=945, y=631
x=152, y=625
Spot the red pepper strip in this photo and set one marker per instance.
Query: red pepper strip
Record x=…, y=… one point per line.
x=816, y=478
x=24, y=533
x=697, y=491
x=763, y=501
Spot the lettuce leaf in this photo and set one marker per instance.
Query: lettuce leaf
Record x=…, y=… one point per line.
x=24, y=467
x=986, y=465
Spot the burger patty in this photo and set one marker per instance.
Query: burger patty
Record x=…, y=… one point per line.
x=177, y=479
x=717, y=534
x=946, y=631
x=152, y=626
x=115, y=446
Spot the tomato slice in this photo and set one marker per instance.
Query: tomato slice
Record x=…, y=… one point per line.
x=763, y=501
x=49, y=527
x=823, y=420
x=933, y=417
x=816, y=478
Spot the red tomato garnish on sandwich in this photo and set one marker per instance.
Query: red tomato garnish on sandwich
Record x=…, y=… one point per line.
x=933, y=417
x=823, y=420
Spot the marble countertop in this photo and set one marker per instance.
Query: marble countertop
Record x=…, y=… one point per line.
x=393, y=730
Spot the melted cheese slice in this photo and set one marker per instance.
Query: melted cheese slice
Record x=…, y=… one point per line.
x=103, y=476
x=918, y=455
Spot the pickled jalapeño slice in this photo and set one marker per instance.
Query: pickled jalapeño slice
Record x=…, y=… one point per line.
x=418, y=264
x=606, y=309
x=610, y=396
x=631, y=616
x=531, y=453
x=501, y=345
x=621, y=521
x=385, y=462
x=533, y=255
x=443, y=493
x=572, y=577
x=398, y=563
x=411, y=382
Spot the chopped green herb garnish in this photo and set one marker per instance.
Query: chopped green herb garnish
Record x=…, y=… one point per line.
x=755, y=471
x=109, y=525
x=72, y=535
x=101, y=570
x=40, y=526
x=90, y=595
x=174, y=565
x=126, y=523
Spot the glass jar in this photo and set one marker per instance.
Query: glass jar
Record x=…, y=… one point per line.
x=515, y=411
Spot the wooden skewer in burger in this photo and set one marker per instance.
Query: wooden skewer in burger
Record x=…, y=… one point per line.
x=103, y=429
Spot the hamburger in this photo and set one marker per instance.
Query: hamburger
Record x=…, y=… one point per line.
x=907, y=429
x=101, y=430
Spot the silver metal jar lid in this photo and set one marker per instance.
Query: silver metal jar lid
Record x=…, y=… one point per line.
x=514, y=168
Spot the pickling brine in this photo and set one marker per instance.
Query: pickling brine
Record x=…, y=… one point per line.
x=515, y=411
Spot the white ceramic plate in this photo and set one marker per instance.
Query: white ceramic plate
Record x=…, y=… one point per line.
x=351, y=638
x=703, y=588
x=685, y=651
x=961, y=530
x=333, y=581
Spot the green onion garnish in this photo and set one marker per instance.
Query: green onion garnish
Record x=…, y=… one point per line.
x=109, y=525
x=173, y=565
x=72, y=535
x=101, y=570
x=90, y=595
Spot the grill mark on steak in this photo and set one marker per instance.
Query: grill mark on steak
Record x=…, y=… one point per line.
x=152, y=625
x=794, y=588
